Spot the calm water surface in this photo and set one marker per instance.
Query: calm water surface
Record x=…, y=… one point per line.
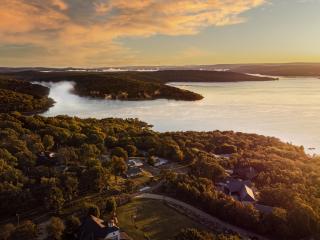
x=288, y=109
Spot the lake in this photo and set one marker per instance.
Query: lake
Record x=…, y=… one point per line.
x=288, y=109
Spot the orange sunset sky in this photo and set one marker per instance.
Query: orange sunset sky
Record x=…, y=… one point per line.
x=93, y=33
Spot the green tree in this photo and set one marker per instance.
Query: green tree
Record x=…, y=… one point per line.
x=89, y=151
x=151, y=160
x=6, y=231
x=48, y=142
x=226, y=149
x=131, y=150
x=276, y=223
x=54, y=199
x=8, y=157
x=70, y=185
x=72, y=223
x=129, y=186
x=111, y=205
x=55, y=228
x=96, y=178
x=67, y=155
x=119, y=152
x=303, y=220
x=25, y=231
x=208, y=169
x=171, y=150
x=119, y=166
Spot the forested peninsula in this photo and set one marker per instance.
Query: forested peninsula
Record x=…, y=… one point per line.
x=136, y=85
x=23, y=96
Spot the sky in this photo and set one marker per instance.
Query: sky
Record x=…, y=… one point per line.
x=101, y=33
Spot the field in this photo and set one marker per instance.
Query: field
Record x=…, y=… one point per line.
x=152, y=219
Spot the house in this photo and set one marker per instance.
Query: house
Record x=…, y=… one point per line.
x=135, y=162
x=133, y=172
x=92, y=228
x=240, y=190
x=160, y=161
x=245, y=172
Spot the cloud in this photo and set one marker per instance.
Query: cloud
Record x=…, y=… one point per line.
x=60, y=4
x=81, y=31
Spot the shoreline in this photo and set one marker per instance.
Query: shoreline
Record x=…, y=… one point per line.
x=143, y=110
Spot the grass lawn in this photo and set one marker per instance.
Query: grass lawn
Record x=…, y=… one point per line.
x=153, y=219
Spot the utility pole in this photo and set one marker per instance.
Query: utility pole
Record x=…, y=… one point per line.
x=18, y=218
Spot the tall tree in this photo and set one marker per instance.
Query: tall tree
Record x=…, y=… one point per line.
x=119, y=166
x=48, y=141
x=54, y=199
x=119, y=152
x=25, y=231
x=55, y=228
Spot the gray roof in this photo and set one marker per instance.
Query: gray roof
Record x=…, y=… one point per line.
x=235, y=185
x=242, y=189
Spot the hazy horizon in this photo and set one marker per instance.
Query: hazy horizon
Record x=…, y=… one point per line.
x=159, y=66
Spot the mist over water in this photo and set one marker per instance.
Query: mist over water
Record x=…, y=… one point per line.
x=288, y=109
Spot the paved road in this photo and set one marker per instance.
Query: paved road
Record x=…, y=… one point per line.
x=202, y=214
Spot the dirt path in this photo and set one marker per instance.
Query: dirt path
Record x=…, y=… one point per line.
x=213, y=220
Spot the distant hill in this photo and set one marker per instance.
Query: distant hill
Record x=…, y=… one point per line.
x=269, y=69
x=198, y=76
x=289, y=69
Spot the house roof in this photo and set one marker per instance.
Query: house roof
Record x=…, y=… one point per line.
x=247, y=194
x=235, y=185
x=135, y=162
x=93, y=228
x=241, y=188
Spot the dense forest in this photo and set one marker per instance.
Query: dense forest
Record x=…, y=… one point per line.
x=33, y=178
x=286, y=179
x=23, y=96
x=136, y=85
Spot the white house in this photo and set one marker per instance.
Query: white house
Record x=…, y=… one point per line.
x=135, y=162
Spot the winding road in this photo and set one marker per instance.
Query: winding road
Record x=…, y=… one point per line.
x=201, y=214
